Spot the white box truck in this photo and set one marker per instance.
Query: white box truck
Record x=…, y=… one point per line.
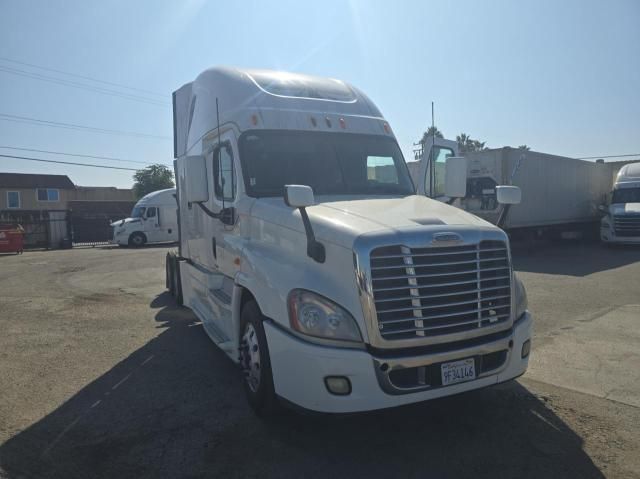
x=312, y=262
x=621, y=223
x=153, y=220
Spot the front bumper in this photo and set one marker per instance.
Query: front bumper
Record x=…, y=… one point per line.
x=299, y=369
x=608, y=236
x=119, y=238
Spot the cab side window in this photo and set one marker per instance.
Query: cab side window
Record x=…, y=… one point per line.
x=151, y=212
x=225, y=181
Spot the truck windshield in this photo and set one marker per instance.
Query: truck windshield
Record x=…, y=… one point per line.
x=138, y=211
x=330, y=163
x=626, y=195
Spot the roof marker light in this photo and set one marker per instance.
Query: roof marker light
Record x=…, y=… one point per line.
x=343, y=124
x=254, y=119
x=386, y=127
x=328, y=121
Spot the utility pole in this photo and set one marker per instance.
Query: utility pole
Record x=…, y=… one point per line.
x=433, y=142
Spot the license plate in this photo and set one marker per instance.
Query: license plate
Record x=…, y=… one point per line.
x=458, y=371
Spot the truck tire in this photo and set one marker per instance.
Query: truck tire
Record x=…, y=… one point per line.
x=255, y=362
x=177, y=282
x=137, y=239
x=169, y=273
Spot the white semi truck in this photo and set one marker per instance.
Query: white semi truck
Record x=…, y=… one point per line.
x=312, y=262
x=621, y=223
x=153, y=220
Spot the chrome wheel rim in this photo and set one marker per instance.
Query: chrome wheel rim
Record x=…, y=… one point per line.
x=250, y=357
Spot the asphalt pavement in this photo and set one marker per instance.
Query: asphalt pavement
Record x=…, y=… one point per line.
x=102, y=375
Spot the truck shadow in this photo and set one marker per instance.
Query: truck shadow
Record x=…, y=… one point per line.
x=571, y=258
x=175, y=408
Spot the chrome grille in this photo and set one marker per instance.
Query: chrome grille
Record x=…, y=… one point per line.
x=627, y=225
x=440, y=290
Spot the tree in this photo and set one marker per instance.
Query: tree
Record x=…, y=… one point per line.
x=524, y=147
x=431, y=131
x=467, y=145
x=152, y=178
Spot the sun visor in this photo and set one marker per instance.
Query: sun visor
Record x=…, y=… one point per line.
x=181, y=119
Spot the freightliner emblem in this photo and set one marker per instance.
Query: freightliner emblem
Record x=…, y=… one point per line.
x=446, y=238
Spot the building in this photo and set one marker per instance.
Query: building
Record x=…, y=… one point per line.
x=54, y=212
x=20, y=191
x=35, y=192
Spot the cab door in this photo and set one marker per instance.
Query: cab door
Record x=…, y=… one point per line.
x=436, y=171
x=223, y=231
x=152, y=224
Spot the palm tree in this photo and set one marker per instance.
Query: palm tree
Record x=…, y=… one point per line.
x=467, y=145
x=524, y=147
x=479, y=145
x=431, y=131
x=463, y=139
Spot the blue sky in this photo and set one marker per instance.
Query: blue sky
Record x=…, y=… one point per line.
x=562, y=77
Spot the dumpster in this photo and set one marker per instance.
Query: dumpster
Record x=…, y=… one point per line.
x=11, y=238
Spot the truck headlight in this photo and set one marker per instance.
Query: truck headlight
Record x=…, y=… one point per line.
x=315, y=315
x=521, y=297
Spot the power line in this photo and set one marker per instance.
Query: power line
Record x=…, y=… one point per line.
x=74, y=154
x=82, y=76
x=82, y=86
x=67, y=162
x=608, y=156
x=73, y=126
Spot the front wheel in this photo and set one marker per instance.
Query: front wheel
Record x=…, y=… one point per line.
x=255, y=362
x=137, y=239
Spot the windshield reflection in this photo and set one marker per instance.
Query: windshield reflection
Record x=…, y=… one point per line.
x=138, y=212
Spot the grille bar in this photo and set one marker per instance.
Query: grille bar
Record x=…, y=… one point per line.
x=440, y=306
x=627, y=225
x=472, y=322
x=438, y=275
x=420, y=255
x=437, y=290
x=450, y=263
x=447, y=315
x=431, y=296
x=439, y=285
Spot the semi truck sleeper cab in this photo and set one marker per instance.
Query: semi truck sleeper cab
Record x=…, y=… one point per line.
x=312, y=262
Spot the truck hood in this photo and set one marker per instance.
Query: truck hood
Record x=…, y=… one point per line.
x=341, y=220
x=624, y=208
x=125, y=221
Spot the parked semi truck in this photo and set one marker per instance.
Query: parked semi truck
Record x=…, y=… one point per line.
x=559, y=194
x=621, y=223
x=153, y=220
x=311, y=261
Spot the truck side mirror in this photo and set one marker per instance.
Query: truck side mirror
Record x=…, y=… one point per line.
x=299, y=196
x=197, y=185
x=455, y=177
x=508, y=195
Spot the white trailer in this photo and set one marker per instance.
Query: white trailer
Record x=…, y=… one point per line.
x=312, y=262
x=153, y=220
x=621, y=223
x=558, y=193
